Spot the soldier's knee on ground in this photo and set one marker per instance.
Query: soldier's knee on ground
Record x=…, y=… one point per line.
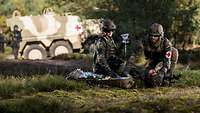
x=154, y=81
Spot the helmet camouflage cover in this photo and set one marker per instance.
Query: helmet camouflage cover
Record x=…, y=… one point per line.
x=108, y=25
x=16, y=27
x=156, y=29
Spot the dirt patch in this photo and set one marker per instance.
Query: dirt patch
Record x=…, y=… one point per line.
x=33, y=67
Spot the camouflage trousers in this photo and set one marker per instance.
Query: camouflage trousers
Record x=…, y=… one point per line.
x=15, y=49
x=15, y=52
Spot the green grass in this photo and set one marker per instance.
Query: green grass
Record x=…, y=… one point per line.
x=54, y=94
x=8, y=51
x=95, y=100
x=188, y=78
x=11, y=87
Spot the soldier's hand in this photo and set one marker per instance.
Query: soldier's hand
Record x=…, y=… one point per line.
x=152, y=72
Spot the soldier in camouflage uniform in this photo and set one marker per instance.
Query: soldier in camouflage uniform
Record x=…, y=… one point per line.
x=2, y=41
x=16, y=39
x=157, y=49
x=105, y=51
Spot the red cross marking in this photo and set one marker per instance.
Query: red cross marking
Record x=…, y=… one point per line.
x=168, y=54
x=77, y=27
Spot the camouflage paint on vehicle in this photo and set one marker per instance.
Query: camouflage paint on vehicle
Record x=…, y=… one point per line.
x=92, y=26
x=47, y=28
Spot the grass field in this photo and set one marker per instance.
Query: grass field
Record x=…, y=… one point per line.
x=54, y=94
x=7, y=53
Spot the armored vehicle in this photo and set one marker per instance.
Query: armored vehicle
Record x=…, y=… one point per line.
x=47, y=35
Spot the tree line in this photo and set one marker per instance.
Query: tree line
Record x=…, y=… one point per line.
x=180, y=18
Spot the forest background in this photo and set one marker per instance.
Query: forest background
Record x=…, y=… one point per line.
x=180, y=18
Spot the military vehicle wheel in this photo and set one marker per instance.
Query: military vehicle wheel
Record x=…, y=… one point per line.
x=60, y=47
x=35, y=51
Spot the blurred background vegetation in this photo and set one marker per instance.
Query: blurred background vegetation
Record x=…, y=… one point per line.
x=51, y=93
x=180, y=18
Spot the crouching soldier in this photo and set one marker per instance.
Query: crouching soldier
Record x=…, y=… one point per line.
x=157, y=49
x=105, y=60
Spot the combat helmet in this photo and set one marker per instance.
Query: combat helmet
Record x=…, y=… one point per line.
x=16, y=27
x=108, y=25
x=156, y=30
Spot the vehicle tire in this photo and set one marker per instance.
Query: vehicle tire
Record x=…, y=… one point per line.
x=60, y=47
x=35, y=51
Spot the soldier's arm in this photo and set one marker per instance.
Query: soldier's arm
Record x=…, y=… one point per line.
x=167, y=55
x=20, y=35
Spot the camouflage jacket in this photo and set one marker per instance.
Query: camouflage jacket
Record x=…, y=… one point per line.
x=16, y=35
x=162, y=53
x=105, y=48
